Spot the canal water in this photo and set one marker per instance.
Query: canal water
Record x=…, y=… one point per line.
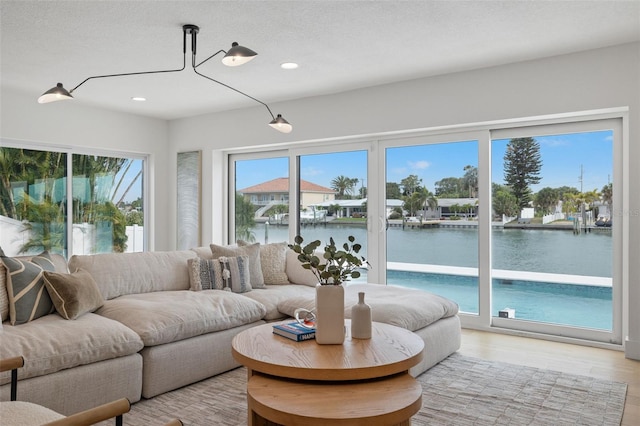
x=528, y=250
x=551, y=251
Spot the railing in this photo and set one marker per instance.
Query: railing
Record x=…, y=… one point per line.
x=86, y=237
x=503, y=274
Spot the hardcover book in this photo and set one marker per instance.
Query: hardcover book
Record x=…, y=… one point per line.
x=294, y=331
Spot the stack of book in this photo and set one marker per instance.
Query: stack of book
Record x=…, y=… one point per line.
x=294, y=331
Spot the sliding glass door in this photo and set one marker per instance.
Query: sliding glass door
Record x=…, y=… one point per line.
x=555, y=190
x=332, y=194
x=432, y=218
x=519, y=225
x=260, y=199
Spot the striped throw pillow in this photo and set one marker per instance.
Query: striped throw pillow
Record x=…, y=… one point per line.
x=223, y=273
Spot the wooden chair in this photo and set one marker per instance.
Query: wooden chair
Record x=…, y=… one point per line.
x=18, y=410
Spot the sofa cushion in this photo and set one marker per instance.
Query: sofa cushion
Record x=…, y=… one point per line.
x=73, y=294
x=51, y=343
x=169, y=316
x=273, y=262
x=28, y=297
x=400, y=306
x=117, y=274
x=223, y=273
x=273, y=295
x=252, y=251
x=24, y=413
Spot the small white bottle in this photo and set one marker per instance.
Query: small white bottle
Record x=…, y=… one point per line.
x=361, y=319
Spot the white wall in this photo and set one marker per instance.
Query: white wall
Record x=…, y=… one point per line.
x=70, y=124
x=603, y=78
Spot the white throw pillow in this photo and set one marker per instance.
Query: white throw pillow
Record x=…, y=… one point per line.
x=296, y=273
x=273, y=262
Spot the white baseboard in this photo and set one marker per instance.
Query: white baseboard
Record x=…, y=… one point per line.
x=632, y=349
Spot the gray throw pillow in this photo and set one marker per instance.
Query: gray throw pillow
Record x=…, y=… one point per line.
x=28, y=297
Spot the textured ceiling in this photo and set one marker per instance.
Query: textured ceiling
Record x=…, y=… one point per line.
x=340, y=45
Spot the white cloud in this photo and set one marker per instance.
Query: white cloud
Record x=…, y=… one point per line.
x=311, y=171
x=419, y=165
x=553, y=142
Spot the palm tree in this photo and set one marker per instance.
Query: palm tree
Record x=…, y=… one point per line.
x=588, y=198
x=607, y=197
x=429, y=199
x=343, y=186
x=245, y=211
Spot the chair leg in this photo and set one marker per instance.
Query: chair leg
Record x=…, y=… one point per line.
x=14, y=384
x=119, y=420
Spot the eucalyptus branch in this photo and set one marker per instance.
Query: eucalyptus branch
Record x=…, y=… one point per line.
x=341, y=264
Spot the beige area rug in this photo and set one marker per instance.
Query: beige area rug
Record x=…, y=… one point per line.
x=458, y=391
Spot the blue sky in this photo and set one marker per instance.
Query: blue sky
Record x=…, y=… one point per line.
x=562, y=158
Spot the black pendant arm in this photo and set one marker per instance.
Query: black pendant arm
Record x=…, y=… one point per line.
x=129, y=73
x=219, y=51
x=184, y=65
x=236, y=90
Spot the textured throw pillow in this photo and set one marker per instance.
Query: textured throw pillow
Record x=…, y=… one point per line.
x=223, y=273
x=73, y=294
x=28, y=297
x=252, y=251
x=273, y=261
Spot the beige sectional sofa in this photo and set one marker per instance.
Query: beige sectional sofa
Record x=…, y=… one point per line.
x=155, y=332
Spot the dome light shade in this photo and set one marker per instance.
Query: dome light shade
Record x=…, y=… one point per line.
x=54, y=94
x=238, y=55
x=281, y=125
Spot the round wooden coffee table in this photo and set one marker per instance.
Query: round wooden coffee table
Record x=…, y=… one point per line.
x=303, y=383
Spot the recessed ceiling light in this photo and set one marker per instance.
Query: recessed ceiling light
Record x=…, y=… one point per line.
x=138, y=99
x=289, y=66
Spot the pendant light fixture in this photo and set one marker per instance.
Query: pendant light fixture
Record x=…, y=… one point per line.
x=237, y=55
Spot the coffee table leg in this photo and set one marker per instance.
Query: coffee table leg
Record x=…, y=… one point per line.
x=256, y=420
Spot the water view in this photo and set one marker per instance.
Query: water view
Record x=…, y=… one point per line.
x=584, y=257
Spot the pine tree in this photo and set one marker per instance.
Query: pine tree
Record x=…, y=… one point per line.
x=522, y=166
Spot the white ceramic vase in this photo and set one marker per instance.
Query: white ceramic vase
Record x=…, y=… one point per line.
x=361, y=319
x=330, y=314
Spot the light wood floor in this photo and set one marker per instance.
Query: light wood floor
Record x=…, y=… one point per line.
x=586, y=361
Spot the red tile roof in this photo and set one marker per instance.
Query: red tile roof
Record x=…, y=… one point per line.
x=282, y=185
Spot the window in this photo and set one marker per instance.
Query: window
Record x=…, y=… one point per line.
x=260, y=199
x=102, y=193
x=107, y=209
